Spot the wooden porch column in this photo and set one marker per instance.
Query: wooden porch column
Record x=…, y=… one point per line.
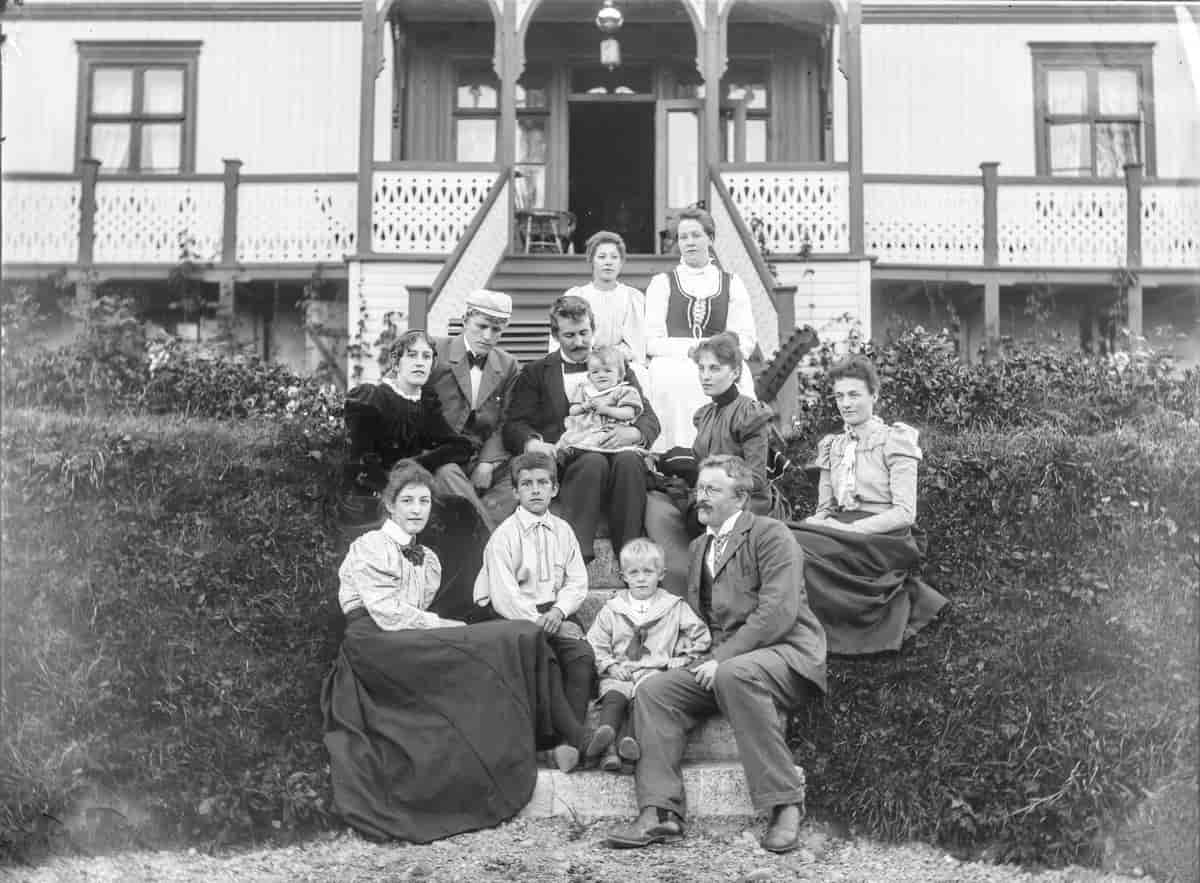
x=399, y=86
x=710, y=51
x=229, y=224
x=991, y=255
x=1133, y=245
x=89, y=171
x=854, y=123
x=371, y=19
x=509, y=64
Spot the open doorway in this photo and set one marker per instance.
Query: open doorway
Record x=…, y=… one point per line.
x=612, y=171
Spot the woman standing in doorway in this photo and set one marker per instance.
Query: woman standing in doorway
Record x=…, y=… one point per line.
x=683, y=307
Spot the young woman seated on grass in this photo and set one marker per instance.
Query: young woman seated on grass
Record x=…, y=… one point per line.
x=432, y=726
x=862, y=552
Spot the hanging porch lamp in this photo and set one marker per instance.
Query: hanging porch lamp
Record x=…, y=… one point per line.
x=609, y=21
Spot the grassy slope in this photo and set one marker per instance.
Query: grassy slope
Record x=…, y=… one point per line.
x=168, y=588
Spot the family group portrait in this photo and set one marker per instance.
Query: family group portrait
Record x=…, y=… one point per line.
x=600, y=440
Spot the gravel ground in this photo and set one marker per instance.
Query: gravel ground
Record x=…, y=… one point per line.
x=559, y=851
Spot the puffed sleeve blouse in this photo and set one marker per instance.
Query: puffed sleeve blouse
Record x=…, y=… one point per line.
x=396, y=592
x=881, y=478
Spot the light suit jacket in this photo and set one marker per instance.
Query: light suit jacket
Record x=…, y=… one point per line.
x=758, y=597
x=451, y=380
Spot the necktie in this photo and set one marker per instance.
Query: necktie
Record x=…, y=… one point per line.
x=719, y=542
x=543, y=553
x=414, y=552
x=844, y=481
x=574, y=367
x=477, y=360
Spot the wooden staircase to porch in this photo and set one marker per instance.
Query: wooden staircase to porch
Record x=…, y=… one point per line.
x=534, y=281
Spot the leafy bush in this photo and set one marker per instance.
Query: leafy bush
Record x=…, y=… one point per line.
x=923, y=382
x=1061, y=686
x=114, y=362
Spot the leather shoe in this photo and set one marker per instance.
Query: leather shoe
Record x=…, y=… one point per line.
x=783, y=834
x=663, y=827
x=599, y=741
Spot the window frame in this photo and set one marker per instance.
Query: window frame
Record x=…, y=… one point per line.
x=739, y=114
x=1092, y=58
x=472, y=63
x=139, y=56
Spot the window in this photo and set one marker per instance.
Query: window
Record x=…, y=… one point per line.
x=477, y=120
x=137, y=106
x=1094, y=108
x=533, y=118
x=746, y=112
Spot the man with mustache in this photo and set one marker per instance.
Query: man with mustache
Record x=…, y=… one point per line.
x=592, y=484
x=746, y=580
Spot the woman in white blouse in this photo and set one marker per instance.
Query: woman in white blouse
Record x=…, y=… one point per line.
x=619, y=309
x=432, y=725
x=691, y=303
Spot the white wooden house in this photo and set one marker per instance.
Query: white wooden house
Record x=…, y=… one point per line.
x=1016, y=165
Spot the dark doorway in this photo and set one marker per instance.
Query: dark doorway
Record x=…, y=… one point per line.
x=612, y=171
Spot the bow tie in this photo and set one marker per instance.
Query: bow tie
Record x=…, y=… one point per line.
x=574, y=367
x=477, y=360
x=414, y=552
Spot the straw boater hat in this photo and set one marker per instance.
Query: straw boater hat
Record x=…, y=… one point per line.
x=496, y=304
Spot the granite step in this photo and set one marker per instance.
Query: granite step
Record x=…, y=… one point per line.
x=712, y=740
x=714, y=790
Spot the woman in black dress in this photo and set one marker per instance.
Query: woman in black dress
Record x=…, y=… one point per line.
x=400, y=418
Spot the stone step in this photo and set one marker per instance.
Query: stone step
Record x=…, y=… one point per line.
x=712, y=740
x=602, y=571
x=712, y=789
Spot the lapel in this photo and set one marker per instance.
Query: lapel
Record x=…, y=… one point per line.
x=554, y=385
x=696, y=563
x=737, y=539
x=461, y=368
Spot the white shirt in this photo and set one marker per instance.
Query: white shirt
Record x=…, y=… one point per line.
x=531, y=560
x=700, y=283
x=573, y=381
x=476, y=376
x=711, y=555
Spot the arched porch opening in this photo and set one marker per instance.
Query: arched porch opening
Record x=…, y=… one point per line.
x=616, y=145
x=438, y=90
x=777, y=84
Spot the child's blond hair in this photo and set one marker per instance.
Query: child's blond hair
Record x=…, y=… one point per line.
x=641, y=550
x=609, y=357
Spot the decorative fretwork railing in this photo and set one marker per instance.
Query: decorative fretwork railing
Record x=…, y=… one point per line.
x=158, y=221
x=738, y=254
x=418, y=211
x=797, y=206
x=1061, y=225
x=40, y=218
x=476, y=258
x=1171, y=225
x=930, y=221
x=305, y=220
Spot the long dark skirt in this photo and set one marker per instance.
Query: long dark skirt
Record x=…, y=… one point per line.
x=434, y=732
x=866, y=588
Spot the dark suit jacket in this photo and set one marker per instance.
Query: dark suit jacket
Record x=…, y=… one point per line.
x=451, y=379
x=539, y=405
x=758, y=596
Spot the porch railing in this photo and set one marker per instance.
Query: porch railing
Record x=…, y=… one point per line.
x=231, y=218
x=928, y=221
x=421, y=210
x=798, y=205
x=973, y=221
